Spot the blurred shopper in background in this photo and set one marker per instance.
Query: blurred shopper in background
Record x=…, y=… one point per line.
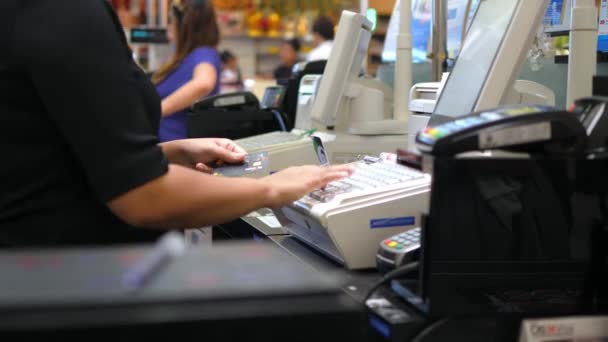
x=194, y=70
x=231, y=79
x=290, y=55
x=323, y=39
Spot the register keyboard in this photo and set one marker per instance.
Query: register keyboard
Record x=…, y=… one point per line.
x=348, y=218
x=367, y=176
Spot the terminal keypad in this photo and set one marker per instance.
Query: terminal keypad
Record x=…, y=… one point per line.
x=367, y=176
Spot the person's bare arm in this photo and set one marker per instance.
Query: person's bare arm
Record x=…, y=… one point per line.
x=185, y=198
x=202, y=83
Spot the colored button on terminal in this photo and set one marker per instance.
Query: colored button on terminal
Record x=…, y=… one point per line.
x=441, y=132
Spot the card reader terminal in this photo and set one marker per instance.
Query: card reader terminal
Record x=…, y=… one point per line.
x=347, y=219
x=398, y=250
x=520, y=128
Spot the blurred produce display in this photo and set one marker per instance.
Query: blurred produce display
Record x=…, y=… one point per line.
x=255, y=18
x=277, y=18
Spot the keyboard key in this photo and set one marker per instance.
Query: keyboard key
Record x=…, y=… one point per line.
x=368, y=175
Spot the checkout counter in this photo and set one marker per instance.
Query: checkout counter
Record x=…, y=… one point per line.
x=528, y=251
x=461, y=285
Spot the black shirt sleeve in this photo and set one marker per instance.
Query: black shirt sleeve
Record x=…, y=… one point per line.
x=95, y=95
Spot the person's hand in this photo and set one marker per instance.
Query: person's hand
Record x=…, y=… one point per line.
x=293, y=183
x=200, y=154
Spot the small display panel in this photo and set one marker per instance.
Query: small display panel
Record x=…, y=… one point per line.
x=602, y=38
x=421, y=32
x=320, y=151
x=272, y=97
x=146, y=35
x=554, y=14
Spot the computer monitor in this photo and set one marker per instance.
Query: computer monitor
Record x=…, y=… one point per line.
x=421, y=32
x=490, y=59
x=602, y=37
x=474, y=5
x=272, y=97
x=344, y=96
x=457, y=17
x=557, y=17
x=554, y=14
x=511, y=236
x=347, y=101
x=602, y=43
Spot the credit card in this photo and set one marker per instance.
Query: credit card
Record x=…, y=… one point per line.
x=254, y=163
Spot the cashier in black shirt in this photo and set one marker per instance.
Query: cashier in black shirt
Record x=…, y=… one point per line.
x=81, y=162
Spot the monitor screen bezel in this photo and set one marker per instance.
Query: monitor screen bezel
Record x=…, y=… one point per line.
x=443, y=280
x=350, y=45
x=439, y=118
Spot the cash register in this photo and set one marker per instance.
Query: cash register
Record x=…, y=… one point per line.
x=350, y=112
x=346, y=219
x=347, y=222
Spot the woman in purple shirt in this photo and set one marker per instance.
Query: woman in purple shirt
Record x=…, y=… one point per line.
x=194, y=70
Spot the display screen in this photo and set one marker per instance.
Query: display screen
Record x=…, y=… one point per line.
x=474, y=63
x=421, y=31
x=149, y=35
x=272, y=97
x=511, y=235
x=553, y=16
x=456, y=18
x=320, y=151
x=331, y=105
x=602, y=44
x=472, y=11
x=602, y=39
